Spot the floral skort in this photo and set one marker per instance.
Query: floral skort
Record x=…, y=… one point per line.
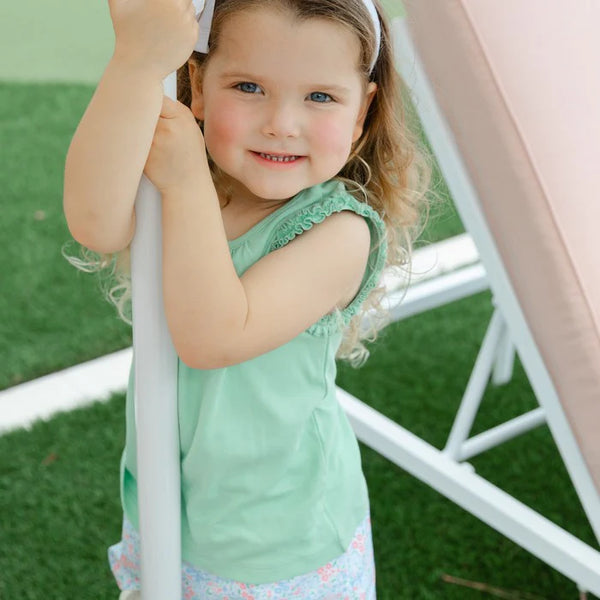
x=350, y=576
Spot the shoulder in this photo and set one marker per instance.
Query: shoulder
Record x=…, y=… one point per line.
x=344, y=234
x=325, y=209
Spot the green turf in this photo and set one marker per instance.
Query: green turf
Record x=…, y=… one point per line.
x=52, y=315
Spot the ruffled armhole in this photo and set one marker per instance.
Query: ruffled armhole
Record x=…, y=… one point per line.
x=304, y=218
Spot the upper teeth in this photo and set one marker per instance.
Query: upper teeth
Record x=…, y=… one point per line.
x=278, y=158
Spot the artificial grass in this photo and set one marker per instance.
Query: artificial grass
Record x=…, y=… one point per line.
x=59, y=493
x=53, y=316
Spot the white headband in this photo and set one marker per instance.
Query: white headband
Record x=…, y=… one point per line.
x=370, y=6
x=206, y=8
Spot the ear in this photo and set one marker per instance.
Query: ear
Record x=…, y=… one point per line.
x=364, y=109
x=197, y=105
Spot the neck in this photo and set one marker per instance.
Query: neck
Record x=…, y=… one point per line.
x=232, y=193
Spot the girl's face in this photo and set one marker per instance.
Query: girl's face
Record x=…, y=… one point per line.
x=277, y=87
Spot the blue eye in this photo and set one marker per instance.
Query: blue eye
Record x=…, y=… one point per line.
x=248, y=87
x=321, y=97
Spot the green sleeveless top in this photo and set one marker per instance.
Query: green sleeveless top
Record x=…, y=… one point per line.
x=272, y=484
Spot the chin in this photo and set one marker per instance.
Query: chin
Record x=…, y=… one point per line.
x=271, y=192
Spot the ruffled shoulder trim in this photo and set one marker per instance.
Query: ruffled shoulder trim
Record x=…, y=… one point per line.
x=317, y=211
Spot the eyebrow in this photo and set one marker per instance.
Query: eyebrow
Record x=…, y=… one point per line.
x=321, y=86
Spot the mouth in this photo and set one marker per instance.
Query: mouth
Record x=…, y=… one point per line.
x=278, y=158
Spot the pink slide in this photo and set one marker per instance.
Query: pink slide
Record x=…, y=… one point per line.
x=519, y=85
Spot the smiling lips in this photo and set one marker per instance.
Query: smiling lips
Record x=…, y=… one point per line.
x=278, y=158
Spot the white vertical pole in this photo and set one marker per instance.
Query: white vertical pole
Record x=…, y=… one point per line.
x=156, y=415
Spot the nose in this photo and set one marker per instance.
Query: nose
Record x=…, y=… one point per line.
x=282, y=120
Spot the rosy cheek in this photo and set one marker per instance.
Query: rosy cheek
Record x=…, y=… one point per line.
x=334, y=136
x=223, y=127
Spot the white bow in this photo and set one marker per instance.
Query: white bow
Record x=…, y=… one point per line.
x=204, y=16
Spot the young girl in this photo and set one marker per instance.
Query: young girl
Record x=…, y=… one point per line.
x=289, y=179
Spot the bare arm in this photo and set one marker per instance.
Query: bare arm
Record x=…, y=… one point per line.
x=107, y=155
x=217, y=319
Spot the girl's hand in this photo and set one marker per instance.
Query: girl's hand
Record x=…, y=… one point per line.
x=155, y=34
x=178, y=153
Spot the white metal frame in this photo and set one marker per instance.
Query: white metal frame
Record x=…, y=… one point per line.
x=508, y=332
x=156, y=415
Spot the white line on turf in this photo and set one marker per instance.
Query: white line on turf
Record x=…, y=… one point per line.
x=83, y=384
